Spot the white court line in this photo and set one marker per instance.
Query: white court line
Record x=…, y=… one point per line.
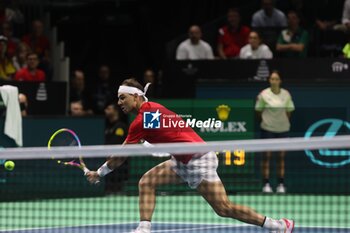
x=63, y=227
x=196, y=228
x=208, y=226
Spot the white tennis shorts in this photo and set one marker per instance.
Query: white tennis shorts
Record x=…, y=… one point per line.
x=197, y=169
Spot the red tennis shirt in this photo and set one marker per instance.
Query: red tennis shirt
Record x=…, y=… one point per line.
x=157, y=124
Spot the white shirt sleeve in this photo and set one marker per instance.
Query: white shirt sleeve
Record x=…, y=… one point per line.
x=181, y=53
x=260, y=103
x=242, y=53
x=209, y=53
x=267, y=54
x=290, y=104
x=346, y=12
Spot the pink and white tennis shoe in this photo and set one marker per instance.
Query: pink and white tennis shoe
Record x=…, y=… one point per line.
x=288, y=225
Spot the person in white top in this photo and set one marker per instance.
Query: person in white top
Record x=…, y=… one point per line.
x=274, y=106
x=194, y=48
x=346, y=14
x=255, y=49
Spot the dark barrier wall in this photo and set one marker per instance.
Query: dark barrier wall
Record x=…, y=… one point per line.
x=321, y=110
x=38, y=178
x=184, y=75
x=46, y=98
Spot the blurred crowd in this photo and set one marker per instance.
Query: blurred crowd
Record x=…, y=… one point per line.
x=23, y=57
x=272, y=33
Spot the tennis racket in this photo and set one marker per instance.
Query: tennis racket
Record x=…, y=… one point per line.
x=67, y=137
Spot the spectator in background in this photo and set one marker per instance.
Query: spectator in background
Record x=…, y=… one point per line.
x=194, y=48
x=268, y=16
x=255, y=49
x=274, y=106
x=39, y=43
x=12, y=42
x=76, y=109
x=20, y=59
x=150, y=77
x=103, y=92
x=346, y=16
x=116, y=128
x=115, y=133
x=326, y=18
x=78, y=91
x=293, y=41
x=23, y=103
x=31, y=73
x=10, y=13
x=233, y=36
x=7, y=69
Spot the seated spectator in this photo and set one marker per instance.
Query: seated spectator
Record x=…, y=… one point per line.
x=233, y=36
x=31, y=73
x=345, y=26
x=104, y=89
x=76, y=109
x=194, y=48
x=78, y=91
x=20, y=59
x=255, y=49
x=10, y=13
x=150, y=77
x=39, y=43
x=293, y=41
x=12, y=42
x=328, y=17
x=116, y=131
x=7, y=70
x=346, y=14
x=268, y=16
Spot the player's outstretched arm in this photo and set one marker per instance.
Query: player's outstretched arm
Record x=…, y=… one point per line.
x=112, y=163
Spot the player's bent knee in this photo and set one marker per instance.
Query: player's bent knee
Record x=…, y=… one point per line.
x=146, y=182
x=143, y=183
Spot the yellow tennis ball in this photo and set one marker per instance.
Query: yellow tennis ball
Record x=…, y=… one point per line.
x=9, y=165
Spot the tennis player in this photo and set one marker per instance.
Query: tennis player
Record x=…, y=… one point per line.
x=198, y=170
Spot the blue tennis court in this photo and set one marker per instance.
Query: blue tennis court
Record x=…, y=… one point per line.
x=176, y=213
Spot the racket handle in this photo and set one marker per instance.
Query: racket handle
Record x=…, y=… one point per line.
x=86, y=170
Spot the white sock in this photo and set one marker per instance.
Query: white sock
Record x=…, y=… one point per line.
x=145, y=226
x=271, y=224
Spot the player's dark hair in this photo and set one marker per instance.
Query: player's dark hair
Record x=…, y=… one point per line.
x=277, y=72
x=132, y=82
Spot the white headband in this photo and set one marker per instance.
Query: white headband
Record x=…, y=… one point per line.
x=134, y=90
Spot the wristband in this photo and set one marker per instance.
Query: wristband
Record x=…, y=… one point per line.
x=103, y=170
